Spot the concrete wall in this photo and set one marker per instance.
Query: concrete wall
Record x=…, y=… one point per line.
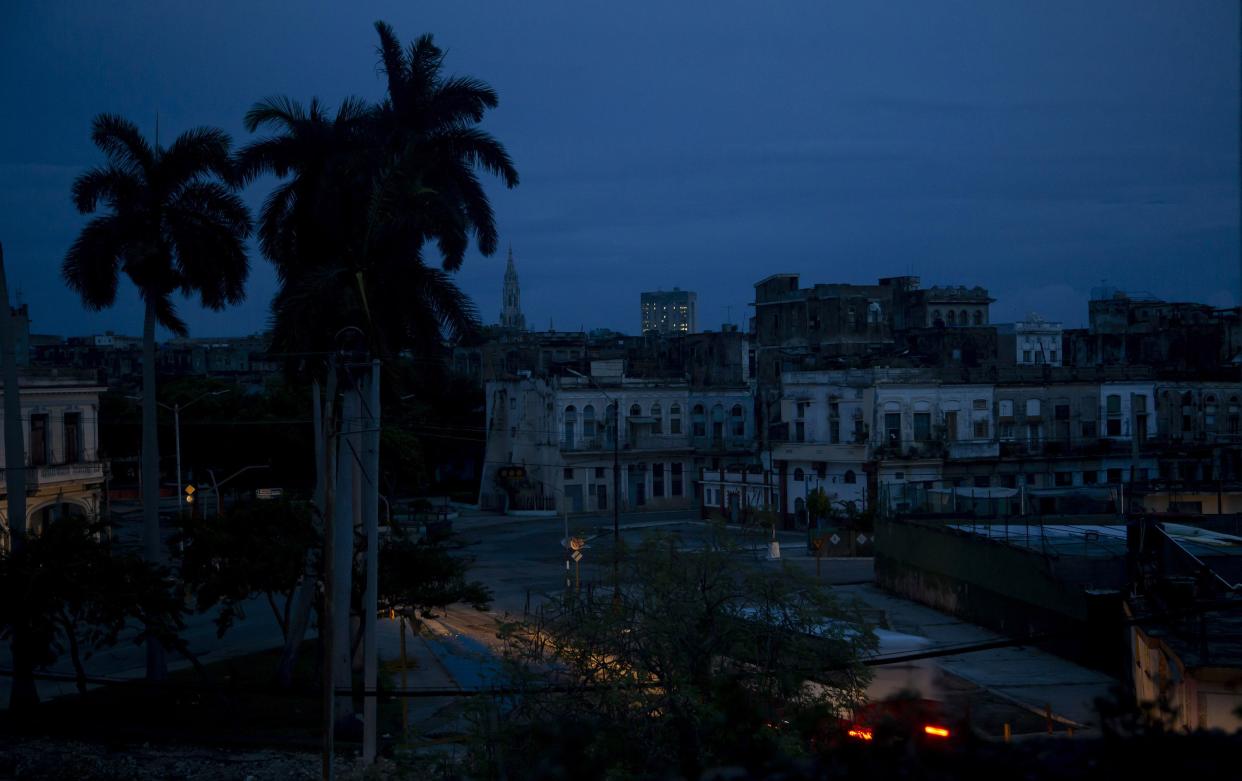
x=1015, y=591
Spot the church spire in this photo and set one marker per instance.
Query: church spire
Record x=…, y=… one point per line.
x=511, y=299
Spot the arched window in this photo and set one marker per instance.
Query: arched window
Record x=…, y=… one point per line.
x=964, y=318
x=698, y=421
x=738, y=421
x=635, y=411
x=571, y=423
x=850, y=477
x=588, y=421
x=978, y=317
x=873, y=312
x=674, y=419
x=937, y=319
x=798, y=476
x=952, y=318
x=718, y=422
x=658, y=413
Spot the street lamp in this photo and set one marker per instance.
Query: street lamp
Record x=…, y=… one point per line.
x=616, y=462
x=216, y=485
x=176, y=411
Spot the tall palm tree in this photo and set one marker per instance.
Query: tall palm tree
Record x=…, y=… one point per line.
x=362, y=193
x=365, y=191
x=427, y=124
x=171, y=224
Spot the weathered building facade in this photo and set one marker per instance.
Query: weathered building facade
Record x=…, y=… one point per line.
x=584, y=442
x=63, y=469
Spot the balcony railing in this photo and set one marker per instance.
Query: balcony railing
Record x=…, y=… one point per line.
x=577, y=444
x=723, y=443
x=973, y=448
x=45, y=474
x=657, y=442
x=637, y=442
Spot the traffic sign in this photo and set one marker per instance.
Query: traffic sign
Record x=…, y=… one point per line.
x=577, y=556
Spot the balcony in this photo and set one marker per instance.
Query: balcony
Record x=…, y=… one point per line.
x=60, y=474
x=820, y=451
x=640, y=441
x=973, y=448
x=723, y=444
x=657, y=442
x=585, y=444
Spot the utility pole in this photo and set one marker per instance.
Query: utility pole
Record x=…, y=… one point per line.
x=24, y=695
x=370, y=599
x=616, y=480
x=327, y=450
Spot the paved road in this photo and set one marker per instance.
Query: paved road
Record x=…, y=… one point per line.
x=522, y=560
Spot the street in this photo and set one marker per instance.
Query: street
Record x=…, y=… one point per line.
x=522, y=560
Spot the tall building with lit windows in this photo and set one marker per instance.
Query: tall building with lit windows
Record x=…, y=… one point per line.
x=670, y=312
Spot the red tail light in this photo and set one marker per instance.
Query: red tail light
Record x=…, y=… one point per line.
x=936, y=732
x=860, y=733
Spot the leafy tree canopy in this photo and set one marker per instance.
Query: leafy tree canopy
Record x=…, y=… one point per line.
x=700, y=658
x=69, y=591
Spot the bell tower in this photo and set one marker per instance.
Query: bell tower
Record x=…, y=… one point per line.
x=511, y=301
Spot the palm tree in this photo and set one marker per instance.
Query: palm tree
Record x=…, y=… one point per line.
x=363, y=193
x=427, y=124
x=172, y=224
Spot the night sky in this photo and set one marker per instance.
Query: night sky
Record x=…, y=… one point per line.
x=1037, y=148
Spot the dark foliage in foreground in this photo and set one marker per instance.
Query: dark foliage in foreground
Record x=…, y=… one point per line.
x=68, y=592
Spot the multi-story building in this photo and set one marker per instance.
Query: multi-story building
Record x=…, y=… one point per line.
x=885, y=438
x=707, y=358
x=672, y=312
x=562, y=436
x=118, y=358
x=60, y=421
x=948, y=307
x=1030, y=342
x=1137, y=329
x=822, y=443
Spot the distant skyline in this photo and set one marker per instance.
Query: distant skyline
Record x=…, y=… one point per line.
x=1035, y=147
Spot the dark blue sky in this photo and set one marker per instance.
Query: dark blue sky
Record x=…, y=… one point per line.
x=1034, y=147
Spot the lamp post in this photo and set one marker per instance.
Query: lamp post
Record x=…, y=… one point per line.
x=176, y=411
x=216, y=485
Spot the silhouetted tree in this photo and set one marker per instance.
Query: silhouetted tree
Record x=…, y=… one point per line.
x=171, y=225
x=69, y=592
x=697, y=659
x=362, y=193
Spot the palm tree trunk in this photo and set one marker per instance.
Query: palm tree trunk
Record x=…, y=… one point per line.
x=157, y=663
x=343, y=552
x=24, y=695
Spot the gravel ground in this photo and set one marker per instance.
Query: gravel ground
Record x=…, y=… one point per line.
x=41, y=758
